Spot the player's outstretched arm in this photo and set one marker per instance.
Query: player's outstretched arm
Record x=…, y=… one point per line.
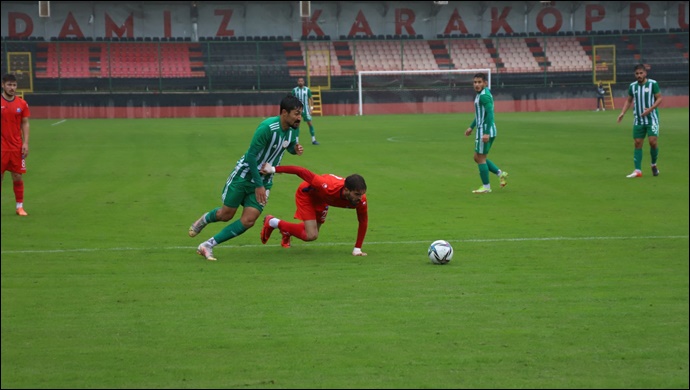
x=303, y=173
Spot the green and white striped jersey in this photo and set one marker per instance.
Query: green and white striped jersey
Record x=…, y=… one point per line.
x=269, y=144
x=643, y=98
x=484, y=114
x=303, y=94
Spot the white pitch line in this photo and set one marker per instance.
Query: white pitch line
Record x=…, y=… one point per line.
x=60, y=122
x=350, y=243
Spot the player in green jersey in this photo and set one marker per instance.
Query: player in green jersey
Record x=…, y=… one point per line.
x=303, y=93
x=246, y=186
x=486, y=133
x=644, y=95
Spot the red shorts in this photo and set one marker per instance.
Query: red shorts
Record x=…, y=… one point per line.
x=13, y=162
x=308, y=209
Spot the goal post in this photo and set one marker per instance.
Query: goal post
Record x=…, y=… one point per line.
x=424, y=82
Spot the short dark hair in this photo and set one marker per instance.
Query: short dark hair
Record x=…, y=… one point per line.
x=290, y=103
x=640, y=66
x=355, y=182
x=480, y=76
x=9, y=77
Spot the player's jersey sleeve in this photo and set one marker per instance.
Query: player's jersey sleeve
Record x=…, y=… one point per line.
x=25, y=109
x=303, y=173
x=259, y=142
x=309, y=93
x=655, y=88
x=487, y=102
x=363, y=219
x=630, y=90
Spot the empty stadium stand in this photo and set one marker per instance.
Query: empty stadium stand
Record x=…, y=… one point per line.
x=319, y=56
x=118, y=60
x=239, y=63
x=470, y=54
x=516, y=56
x=393, y=55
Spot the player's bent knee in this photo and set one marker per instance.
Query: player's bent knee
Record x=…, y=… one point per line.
x=248, y=223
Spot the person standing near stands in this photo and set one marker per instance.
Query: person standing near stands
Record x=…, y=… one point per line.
x=486, y=133
x=644, y=95
x=601, y=92
x=303, y=93
x=15, y=138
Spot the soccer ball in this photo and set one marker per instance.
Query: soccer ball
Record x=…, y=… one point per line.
x=440, y=252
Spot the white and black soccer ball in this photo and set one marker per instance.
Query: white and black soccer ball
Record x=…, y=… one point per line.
x=440, y=252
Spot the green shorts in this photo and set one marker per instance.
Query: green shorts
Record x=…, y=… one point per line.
x=306, y=115
x=481, y=147
x=640, y=131
x=242, y=192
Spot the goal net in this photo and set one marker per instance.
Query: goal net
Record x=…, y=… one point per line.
x=416, y=91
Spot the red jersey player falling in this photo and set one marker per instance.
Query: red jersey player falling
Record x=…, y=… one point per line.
x=313, y=198
x=15, y=137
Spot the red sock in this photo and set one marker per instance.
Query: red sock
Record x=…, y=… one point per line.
x=295, y=229
x=18, y=191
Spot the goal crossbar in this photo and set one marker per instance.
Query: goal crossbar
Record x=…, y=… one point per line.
x=411, y=72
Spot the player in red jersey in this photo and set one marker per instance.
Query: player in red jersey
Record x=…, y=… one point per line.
x=313, y=198
x=15, y=137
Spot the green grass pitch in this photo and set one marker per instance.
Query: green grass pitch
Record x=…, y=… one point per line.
x=571, y=276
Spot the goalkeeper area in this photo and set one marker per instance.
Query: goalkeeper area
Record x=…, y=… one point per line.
x=416, y=91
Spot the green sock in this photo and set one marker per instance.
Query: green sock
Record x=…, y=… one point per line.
x=484, y=173
x=655, y=153
x=311, y=130
x=637, y=156
x=211, y=215
x=492, y=167
x=231, y=231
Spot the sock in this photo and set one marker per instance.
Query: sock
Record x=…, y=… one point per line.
x=211, y=215
x=273, y=222
x=637, y=157
x=311, y=131
x=655, y=153
x=295, y=229
x=492, y=167
x=20, y=205
x=212, y=242
x=18, y=191
x=484, y=173
x=231, y=231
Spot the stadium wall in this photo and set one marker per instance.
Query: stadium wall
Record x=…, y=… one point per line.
x=248, y=104
x=222, y=19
